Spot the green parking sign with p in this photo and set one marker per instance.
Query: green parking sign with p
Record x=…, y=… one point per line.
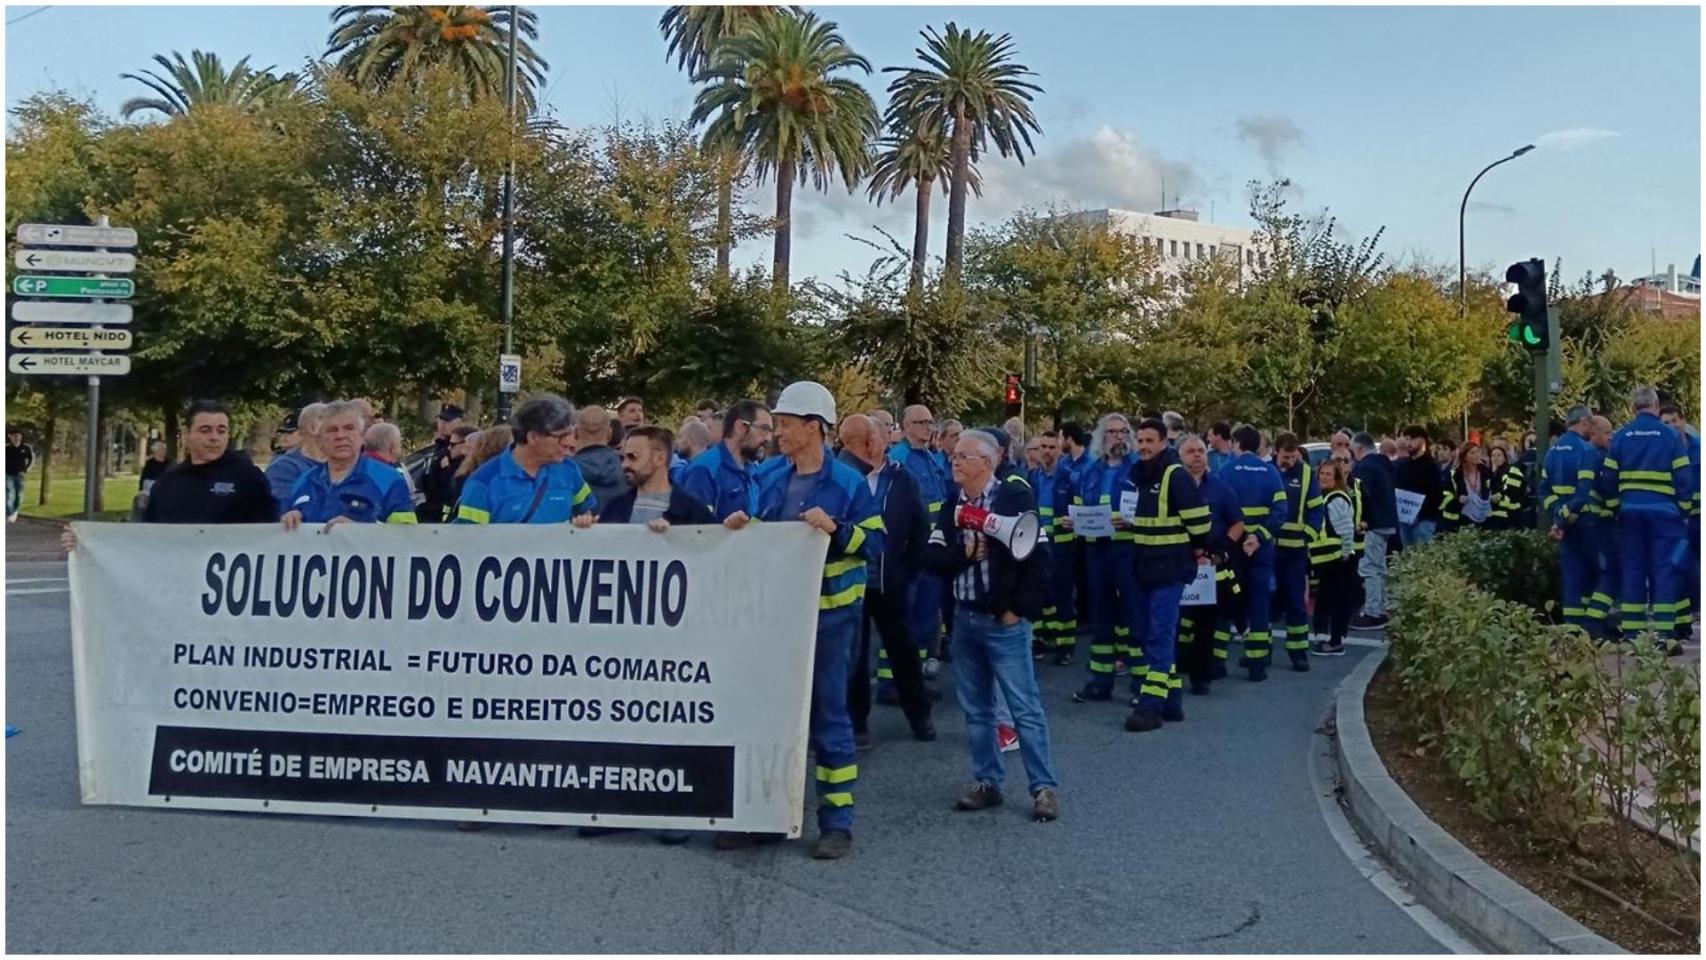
x=95, y=287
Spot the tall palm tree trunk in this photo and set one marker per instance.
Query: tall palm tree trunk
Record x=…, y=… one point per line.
x=726, y=161
x=784, y=228
x=957, y=197
x=921, y=233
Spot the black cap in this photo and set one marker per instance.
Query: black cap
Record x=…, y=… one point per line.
x=289, y=423
x=449, y=412
x=1000, y=437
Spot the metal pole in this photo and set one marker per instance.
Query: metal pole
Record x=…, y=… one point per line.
x=505, y=399
x=1542, y=420
x=1462, y=258
x=1030, y=370
x=92, y=444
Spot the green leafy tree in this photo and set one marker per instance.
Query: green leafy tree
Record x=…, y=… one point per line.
x=377, y=46
x=204, y=79
x=776, y=92
x=970, y=86
x=693, y=33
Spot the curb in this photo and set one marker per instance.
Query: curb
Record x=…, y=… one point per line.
x=1460, y=885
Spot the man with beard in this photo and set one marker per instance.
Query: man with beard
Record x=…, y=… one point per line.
x=722, y=476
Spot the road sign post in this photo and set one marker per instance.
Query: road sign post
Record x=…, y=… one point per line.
x=74, y=260
x=94, y=365
x=70, y=338
x=84, y=287
x=37, y=311
x=509, y=373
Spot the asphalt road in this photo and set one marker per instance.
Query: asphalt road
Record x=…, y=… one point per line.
x=1205, y=837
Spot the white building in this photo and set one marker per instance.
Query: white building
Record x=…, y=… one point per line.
x=1683, y=285
x=1180, y=238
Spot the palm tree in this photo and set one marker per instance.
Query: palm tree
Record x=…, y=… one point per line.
x=971, y=87
x=205, y=80
x=378, y=45
x=774, y=94
x=914, y=154
x=693, y=33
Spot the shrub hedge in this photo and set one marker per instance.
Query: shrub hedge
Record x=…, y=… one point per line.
x=1543, y=726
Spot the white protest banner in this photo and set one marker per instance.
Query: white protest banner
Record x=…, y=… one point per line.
x=1200, y=592
x=1409, y=505
x=1091, y=521
x=1128, y=504
x=535, y=674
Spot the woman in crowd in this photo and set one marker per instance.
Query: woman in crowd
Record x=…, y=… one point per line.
x=1340, y=591
x=1510, y=489
x=480, y=447
x=1469, y=496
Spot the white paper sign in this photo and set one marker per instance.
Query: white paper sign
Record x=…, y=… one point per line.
x=1128, y=504
x=532, y=674
x=1091, y=521
x=1409, y=505
x=1200, y=592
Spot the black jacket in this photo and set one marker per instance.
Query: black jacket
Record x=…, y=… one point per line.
x=684, y=508
x=228, y=490
x=601, y=466
x=904, y=522
x=1014, y=586
x=1373, y=476
x=18, y=459
x=438, y=482
x=1421, y=475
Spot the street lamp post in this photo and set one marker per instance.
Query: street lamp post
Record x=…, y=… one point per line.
x=1462, y=259
x=504, y=398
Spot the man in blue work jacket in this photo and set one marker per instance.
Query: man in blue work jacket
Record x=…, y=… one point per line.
x=722, y=476
x=1111, y=561
x=1291, y=565
x=1647, y=472
x=533, y=481
x=348, y=487
x=1051, y=482
x=1260, y=493
x=1568, y=480
x=924, y=605
x=812, y=487
x=1687, y=616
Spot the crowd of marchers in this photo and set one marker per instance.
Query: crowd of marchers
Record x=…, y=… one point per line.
x=1165, y=549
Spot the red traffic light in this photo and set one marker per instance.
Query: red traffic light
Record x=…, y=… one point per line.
x=1015, y=387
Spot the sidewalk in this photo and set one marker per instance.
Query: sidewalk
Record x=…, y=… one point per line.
x=33, y=540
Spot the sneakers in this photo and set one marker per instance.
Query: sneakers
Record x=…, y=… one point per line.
x=1063, y=657
x=1327, y=648
x=1006, y=738
x=1300, y=662
x=832, y=845
x=1366, y=622
x=1089, y=694
x=979, y=796
x=1046, y=806
x=932, y=666
x=1143, y=721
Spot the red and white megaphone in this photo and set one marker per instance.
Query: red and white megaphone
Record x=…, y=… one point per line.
x=1019, y=534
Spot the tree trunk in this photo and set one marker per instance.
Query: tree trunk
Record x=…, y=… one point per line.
x=725, y=212
x=171, y=437
x=957, y=197
x=45, y=458
x=103, y=453
x=921, y=233
x=784, y=229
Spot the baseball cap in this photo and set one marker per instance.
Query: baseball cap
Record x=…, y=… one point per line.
x=289, y=423
x=449, y=412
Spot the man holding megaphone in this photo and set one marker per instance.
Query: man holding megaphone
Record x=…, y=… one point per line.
x=989, y=546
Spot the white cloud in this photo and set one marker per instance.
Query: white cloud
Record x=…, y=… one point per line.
x=1502, y=209
x=1573, y=137
x=1108, y=168
x=1272, y=137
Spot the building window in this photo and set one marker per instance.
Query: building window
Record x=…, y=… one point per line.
x=1199, y=251
x=1250, y=258
x=1262, y=258
x=1174, y=247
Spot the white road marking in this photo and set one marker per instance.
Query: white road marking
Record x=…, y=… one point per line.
x=1370, y=867
x=12, y=583
x=35, y=590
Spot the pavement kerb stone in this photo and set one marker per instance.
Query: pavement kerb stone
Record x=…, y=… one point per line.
x=1460, y=885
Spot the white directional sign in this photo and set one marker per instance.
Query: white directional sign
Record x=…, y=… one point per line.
x=29, y=311
x=104, y=364
x=70, y=338
x=509, y=372
x=67, y=235
x=74, y=260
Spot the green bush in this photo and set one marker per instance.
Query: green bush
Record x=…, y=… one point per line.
x=1544, y=728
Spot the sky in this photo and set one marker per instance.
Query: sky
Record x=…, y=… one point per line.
x=1380, y=116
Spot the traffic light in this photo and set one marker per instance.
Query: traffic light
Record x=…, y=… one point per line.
x=1014, y=395
x=1528, y=326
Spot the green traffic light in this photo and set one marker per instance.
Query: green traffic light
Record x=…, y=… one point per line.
x=1530, y=337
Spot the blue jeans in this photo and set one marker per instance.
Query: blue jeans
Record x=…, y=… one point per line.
x=1416, y=534
x=14, y=492
x=989, y=655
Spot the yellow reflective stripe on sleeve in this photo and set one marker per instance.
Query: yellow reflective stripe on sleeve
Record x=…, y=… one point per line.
x=1563, y=488
x=838, y=799
x=1191, y=513
x=1279, y=496
x=402, y=516
x=1679, y=463
x=585, y=491
x=1658, y=476
x=1665, y=489
x=934, y=507
x=845, y=598
x=1159, y=539
x=838, y=774
x=856, y=539
x=1256, y=511
x=472, y=514
x=873, y=522
x=1610, y=463
x=1585, y=474
x=1198, y=529
x=836, y=568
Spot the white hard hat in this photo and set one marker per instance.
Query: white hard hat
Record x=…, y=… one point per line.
x=806, y=398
